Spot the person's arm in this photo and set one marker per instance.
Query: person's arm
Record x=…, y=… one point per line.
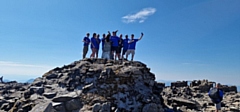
x=83, y=40
x=141, y=36
x=92, y=44
x=109, y=33
x=221, y=94
x=131, y=41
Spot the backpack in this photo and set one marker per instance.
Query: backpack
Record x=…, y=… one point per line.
x=214, y=95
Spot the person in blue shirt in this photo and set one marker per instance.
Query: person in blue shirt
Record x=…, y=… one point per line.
x=218, y=100
x=86, y=41
x=132, y=46
x=95, y=45
x=125, y=46
x=115, y=39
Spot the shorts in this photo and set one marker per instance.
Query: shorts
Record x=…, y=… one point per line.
x=218, y=106
x=124, y=51
x=106, y=55
x=119, y=50
x=114, y=49
x=130, y=51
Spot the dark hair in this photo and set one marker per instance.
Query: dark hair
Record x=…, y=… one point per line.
x=108, y=38
x=94, y=34
x=132, y=35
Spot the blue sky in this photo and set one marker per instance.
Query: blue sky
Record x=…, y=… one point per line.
x=183, y=39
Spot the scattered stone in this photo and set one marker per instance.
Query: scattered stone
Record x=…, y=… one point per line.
x=99, y=85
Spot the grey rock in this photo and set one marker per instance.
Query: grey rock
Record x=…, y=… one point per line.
x=67, y=97
x=38, y=90
x=106, y=107
x=151, y=107
x=73, y=104
x=49, y=95
x=43, y=107
x=96, y=107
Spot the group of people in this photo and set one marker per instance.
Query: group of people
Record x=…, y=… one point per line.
x=113, y=46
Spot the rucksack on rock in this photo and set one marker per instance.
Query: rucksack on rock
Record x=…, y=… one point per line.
x=214, y=94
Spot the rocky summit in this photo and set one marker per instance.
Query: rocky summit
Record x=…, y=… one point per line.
x=99, y=85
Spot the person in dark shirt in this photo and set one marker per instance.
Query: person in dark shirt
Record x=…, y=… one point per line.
x=217, y=100
x=120, y=45
x=132, y=46
x=125, y=46
x=86, y=41
x=98, y=44
x=103, y=41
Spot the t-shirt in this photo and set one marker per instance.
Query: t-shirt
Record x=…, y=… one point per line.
x=103, y=41
x=107, y=46
x=87, y=41
x=120, y=43
x=95, y=42
x=132, y=45
x=115, y=40
x=125, y=44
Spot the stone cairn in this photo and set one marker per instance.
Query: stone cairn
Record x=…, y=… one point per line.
x=98, y=85
x=88, y=85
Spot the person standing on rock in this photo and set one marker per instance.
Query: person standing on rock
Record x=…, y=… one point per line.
x=94, y=45
x=98, y=44
x=115, y=39
x=125, y=46
x=120, y=45
x=107, y=47
x=132, y=46
x=216, y=95
x=103, y=41
x=86, y=41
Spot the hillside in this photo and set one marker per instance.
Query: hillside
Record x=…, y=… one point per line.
x=98, y=85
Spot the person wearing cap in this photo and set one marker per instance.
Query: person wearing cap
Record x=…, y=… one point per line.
x=115, y=42
x=86, y=41
x=132, y=46
x=125, y=46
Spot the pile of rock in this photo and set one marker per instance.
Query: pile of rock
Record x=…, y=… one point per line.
x=90, y=85
x=181, y=97
x=98, y=85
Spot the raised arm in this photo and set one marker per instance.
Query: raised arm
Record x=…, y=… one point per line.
x=141, y=36
x=109, y=33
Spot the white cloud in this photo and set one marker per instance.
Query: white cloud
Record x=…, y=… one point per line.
x=140, y=16
x=14, y=68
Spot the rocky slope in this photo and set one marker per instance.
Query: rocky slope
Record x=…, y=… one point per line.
x=87, y=85
x=92, y=85
x=182, y=97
